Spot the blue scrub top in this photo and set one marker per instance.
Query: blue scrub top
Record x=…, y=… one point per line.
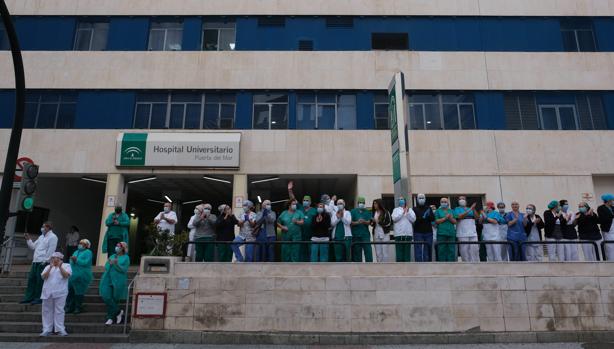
x=516, y=231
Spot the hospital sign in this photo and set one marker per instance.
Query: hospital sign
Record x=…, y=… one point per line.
x=178, y=149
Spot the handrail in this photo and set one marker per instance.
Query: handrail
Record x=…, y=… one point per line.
x=563, y=242
x=128, y=301
x=480, y=243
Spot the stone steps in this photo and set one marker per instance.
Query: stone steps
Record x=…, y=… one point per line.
x=71, y=338
x=19, y=308
x=34, y=316
x=6, y=290
x=22, y=322
x=78, y=327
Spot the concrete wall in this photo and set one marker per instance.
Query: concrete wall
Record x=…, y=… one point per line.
x=384, y=298
x=315, y=7
x=313, y=70
x=528, y=166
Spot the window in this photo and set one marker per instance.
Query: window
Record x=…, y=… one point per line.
x=389, y=41
x=219, y=37
x=305, y=45
x=91, y=36
x=380, y=112
x=219, y=111
x=558, y=117
x=270, y=111
x=441, y=111
x=272, y=21
x=591, y=113
x=50, y=110
x=578, y=35
x=326, y=111
x=184, y=111
x=339, y=22
x=165, y=36
x=520, y=112
x=4, y=40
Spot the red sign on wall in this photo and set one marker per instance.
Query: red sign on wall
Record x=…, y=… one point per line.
x=19, y=167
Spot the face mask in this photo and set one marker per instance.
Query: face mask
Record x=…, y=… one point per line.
x=117, y=249
x=306, y=203
x=529, y=211
x=565, y=208
x=320, y=210
x=361, y=205
x=167, y=210
x=421, y=201
x=583, y=209
x=340, y=206
x=196, y=211
x=444, y=205
x=557, y=210
x=462, y=203
x=43, y=230
x=268, y=207
x=293, y=207
x=81, y=248
x=402, y=203
x=118, y=210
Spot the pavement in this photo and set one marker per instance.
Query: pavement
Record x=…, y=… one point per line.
x=192, y=346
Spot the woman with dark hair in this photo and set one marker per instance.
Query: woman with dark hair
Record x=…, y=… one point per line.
x=570, y=251
x=533, y=225
x=290, y=222
x=588, y=230
x=554, y=221
x=381, y=229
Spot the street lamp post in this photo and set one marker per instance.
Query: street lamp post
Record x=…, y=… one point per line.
x=20, y=104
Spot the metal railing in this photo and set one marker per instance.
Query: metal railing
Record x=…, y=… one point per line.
x=479, y=243
x=563, y=242
x=391, y=242
x=604, y=252
x=263, y=245
x=129, y=299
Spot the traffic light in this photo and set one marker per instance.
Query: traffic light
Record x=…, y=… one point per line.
x=27, y=188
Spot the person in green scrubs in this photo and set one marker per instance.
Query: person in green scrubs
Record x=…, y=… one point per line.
x=117, y=224
x=361, y=220
x=114, y=283
x=79, y=282
x=309, y=212
x=446, y=232
x=290, y=222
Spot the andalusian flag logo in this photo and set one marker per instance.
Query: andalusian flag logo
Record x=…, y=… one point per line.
x=133, y=149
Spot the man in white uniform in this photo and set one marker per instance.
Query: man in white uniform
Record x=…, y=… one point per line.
x=43, y=247
x=166, y=219
x=55, y=290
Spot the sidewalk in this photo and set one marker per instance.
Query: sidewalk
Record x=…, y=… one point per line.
x=191, y=346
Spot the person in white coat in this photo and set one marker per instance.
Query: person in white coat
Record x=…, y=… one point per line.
x=191, y=247
x=43, y=247
x=55, y=290
x=341, y=221
x=466, y=230
x=403, y=219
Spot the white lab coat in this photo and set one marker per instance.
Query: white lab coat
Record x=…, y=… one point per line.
x=43, y=247
x=403, y=222
x=192, y=228
x=164, y=225
x=346, y=220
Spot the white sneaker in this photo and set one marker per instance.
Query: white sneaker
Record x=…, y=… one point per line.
x=62, y=334
x=44, y=334
x=109, y=322
x=119, y=317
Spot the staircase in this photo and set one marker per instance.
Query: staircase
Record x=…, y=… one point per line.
x=22, y=322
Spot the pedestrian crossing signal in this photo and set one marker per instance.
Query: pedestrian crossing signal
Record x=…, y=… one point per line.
x=27, y=188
